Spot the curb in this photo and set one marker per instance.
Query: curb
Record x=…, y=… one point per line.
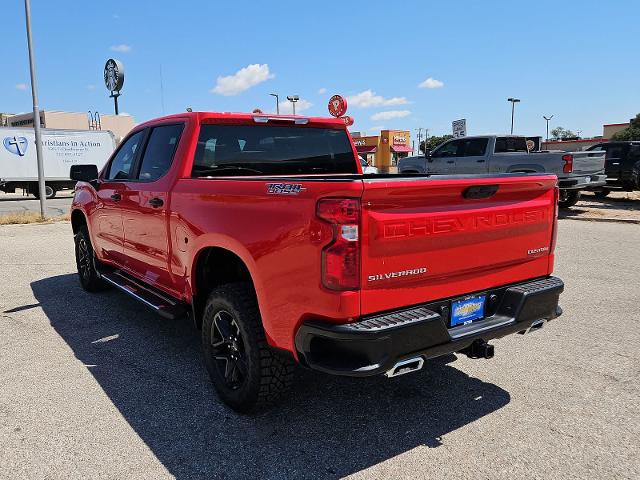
x=631, y=221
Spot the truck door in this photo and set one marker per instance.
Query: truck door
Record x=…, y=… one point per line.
x=106, y=223
x=145, y=208
x=443, y=159
x=472, y=156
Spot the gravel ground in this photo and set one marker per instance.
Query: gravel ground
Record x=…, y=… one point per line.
x=617, y=205
x=95, y=386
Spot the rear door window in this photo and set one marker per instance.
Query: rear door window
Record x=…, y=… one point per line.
x=159, y=152
x=226, y=150
x=475, y=147
x=511, y=144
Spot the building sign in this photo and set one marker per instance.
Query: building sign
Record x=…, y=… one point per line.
x=359, y=142
x=399, y=139
x=113, y=75
x=459, y=128
x=337, y=106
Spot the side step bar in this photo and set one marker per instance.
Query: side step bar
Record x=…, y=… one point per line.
x=162, y=304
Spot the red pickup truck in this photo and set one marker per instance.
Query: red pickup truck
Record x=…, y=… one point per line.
x=266, y=232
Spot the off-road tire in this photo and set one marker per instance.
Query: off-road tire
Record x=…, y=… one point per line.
x=602, y=193
x=268, y=373
x=568, y=198
x=86, y=262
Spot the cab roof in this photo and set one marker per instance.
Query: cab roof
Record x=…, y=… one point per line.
x=257, y=118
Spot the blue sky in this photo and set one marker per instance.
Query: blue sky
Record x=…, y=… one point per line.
x=576, y=60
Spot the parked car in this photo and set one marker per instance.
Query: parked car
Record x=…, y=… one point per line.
x=366, y=168
x=263, y=230
x=509, y=154
x=60, y=149
x=621, y=160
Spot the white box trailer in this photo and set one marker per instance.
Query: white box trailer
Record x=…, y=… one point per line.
x=60, y=150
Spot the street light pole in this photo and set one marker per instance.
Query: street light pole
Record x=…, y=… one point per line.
x=293, y=99
x=513, y=107
x=36, y=110
x=277, y=103
x=547, y=119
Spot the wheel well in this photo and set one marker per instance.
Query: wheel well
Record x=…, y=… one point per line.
x=215, y=267
x=78, y=221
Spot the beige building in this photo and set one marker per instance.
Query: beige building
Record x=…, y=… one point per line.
x=120, y=125
x=610, y=129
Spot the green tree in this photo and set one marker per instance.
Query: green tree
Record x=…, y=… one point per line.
x=560, y=133
x=434, y=141
x=632, y=132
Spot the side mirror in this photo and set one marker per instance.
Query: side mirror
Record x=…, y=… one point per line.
x=84, y=173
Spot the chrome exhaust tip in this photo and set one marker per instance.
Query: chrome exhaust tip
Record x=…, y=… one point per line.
x=405, y=366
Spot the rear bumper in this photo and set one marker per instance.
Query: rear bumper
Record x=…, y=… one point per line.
x=583, y=182
x=376, y=343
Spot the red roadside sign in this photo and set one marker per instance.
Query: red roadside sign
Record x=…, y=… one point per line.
x=337, y=106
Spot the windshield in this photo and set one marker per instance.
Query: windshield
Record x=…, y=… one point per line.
x=271, y=150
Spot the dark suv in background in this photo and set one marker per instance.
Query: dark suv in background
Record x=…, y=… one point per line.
x=622, y=159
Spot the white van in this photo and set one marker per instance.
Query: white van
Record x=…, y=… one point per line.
x=60, y=149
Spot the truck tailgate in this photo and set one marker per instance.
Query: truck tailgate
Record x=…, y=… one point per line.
x=426, y=239
x=588, y=162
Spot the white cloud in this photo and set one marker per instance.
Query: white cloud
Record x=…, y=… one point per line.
x=388, y=115
x=322, y=90
x=431, y=83
x=301, y=106
x=91, y=87
x=21, y=86
x=368, y=98
x=121, y=48
x=242, y=80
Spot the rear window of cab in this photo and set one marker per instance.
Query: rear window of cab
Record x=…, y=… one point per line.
x=241, y=150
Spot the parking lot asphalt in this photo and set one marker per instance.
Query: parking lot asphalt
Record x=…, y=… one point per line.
x=19, y=203
x=95, y=386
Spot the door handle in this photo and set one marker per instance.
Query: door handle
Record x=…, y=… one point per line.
x=156, y=202
x=451, y=161
x=116, y=197
x=480, y=161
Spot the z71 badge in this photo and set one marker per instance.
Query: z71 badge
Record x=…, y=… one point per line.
x=285, y=188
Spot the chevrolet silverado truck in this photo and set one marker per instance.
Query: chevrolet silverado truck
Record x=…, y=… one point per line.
x=576, y=171
x=266, y=233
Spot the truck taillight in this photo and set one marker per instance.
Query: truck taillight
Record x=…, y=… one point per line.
x=568, y=163
x=554, y=232
x=341, y=258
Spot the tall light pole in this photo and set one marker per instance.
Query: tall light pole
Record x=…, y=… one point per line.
x=293, y=99
x=277, y=103
x=36, y=110
x=513, y=107
x=547, y=119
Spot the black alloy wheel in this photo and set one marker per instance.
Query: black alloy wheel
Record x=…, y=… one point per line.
x=228, y=349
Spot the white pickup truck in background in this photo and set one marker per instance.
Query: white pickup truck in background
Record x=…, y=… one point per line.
x=60, y=149
x=509, y=154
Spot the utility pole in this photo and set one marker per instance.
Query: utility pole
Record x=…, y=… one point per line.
x=420, y=137
x=513, y=107
x=36, y=110
x=547, y=119
x=277, y=103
